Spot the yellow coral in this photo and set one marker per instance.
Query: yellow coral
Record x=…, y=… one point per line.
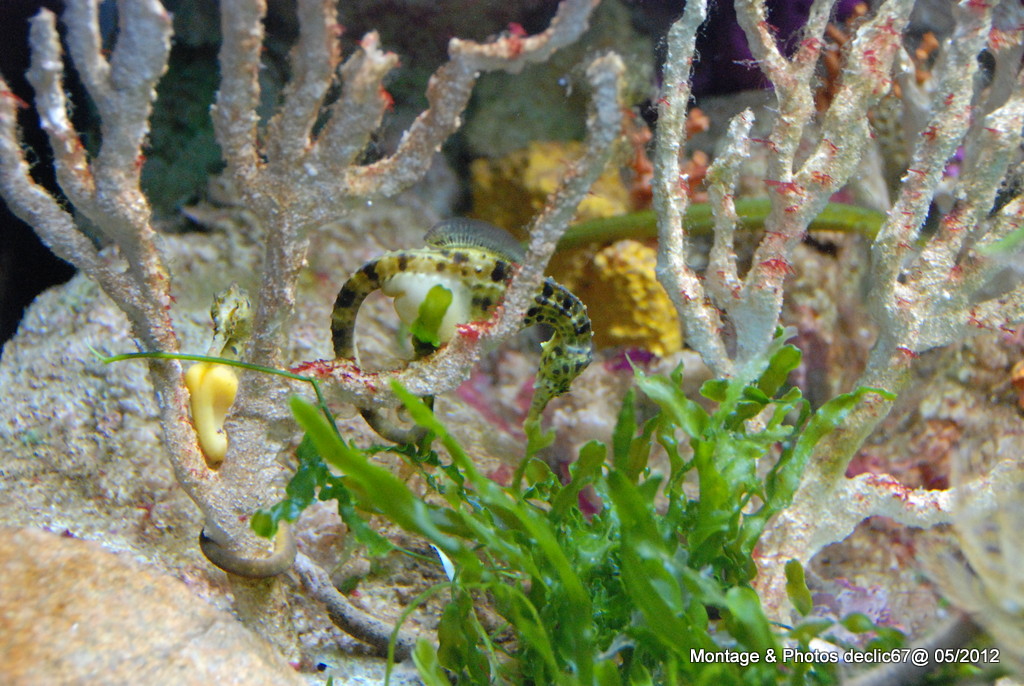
x=627, y=305
x=212, y=388
x=511, y=190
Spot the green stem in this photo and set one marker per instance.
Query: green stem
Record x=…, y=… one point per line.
x=321, y=401
x=700, y=222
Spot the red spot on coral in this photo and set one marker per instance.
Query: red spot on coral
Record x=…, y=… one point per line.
x=471, y=331
x=514, y=41
x=931, y=132
x=949, y=99
x=18, y=102
x=385, y=97
x=821, y=178
x=887, y=27
x=767, y=143
x=785, y=187
x=907, y=352
x=777, y=266
x=323, y=368
x=810, y=44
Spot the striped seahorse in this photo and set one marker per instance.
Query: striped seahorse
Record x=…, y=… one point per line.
x=475, y=261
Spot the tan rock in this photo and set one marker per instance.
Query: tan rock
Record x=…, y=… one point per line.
x=73, y=613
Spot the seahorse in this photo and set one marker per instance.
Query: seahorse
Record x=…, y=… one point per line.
x=475, y=261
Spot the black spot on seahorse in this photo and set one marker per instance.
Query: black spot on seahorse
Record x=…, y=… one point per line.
x=346, y=296
x=500, y=271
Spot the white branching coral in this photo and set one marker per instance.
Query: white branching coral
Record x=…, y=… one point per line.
x=301, y=169
x=923, y=289
x=984, y=576
x=295, y=173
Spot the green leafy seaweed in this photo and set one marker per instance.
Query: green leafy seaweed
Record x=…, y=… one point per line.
x=627, y=570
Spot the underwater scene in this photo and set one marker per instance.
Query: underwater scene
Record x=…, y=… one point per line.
x=535, y=342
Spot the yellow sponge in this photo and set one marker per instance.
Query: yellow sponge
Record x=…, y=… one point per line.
x=509, y=191
x=627, y=305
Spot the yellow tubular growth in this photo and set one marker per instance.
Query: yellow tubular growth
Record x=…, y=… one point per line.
x=212, y=388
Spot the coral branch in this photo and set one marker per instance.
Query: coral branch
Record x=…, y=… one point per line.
x=35, y=206
x=46, y=75
x=86, y=48
x=109, y=196
x=983, y=576
x=700, y=319
x=313, y=62
x=235, y=117
x=137, y=63
x=513, y=53
x=359, y=110
x=345, y=616
x=291, y=183
x=949, y=122
x=797, y=194
x=603, y=125
x=956, y=632
x=922, y=294
x=451, y=365
x=448, y=93
x=723, y=281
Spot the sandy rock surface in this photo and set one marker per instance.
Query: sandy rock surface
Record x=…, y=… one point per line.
x=74, y=613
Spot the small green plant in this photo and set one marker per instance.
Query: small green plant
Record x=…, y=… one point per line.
x=652, y=588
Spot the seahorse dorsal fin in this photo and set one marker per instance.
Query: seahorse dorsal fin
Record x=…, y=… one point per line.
x=461, y=232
